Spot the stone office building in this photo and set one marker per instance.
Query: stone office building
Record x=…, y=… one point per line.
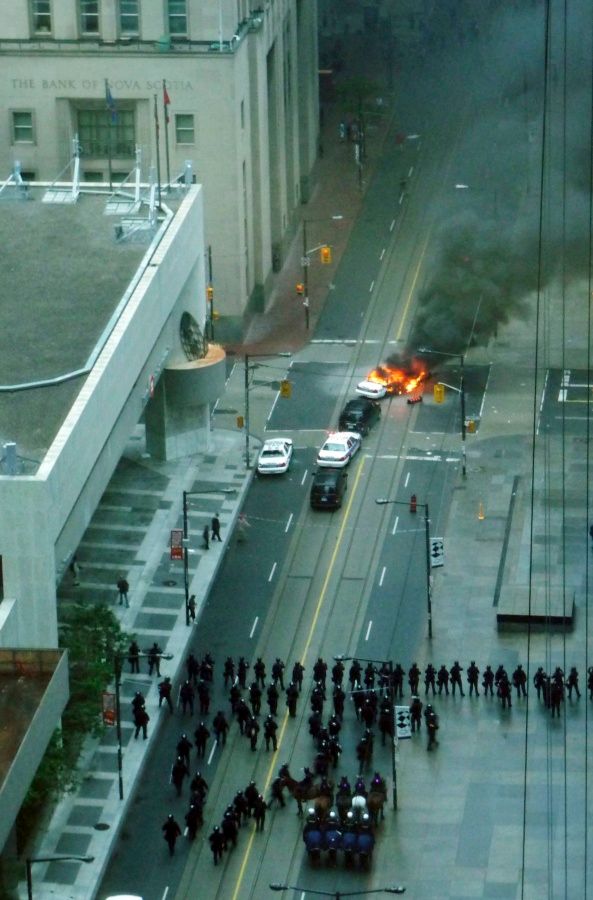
x=241, y=78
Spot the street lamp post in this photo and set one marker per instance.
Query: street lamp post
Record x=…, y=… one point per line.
x=396, y=889
x=383, y=501
x=249, y=356
x=306, y=261
x=389, y=663
x=187, y=494
x=461, y=390
x=57, y=857
x=117, y=664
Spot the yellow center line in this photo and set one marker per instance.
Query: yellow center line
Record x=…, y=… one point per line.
x=320, y=602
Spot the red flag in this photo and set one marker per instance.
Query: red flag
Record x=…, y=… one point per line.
x=166, y=102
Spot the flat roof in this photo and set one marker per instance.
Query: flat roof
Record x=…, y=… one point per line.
x=62, y=274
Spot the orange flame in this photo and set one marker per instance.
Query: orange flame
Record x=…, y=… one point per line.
x=398, y=380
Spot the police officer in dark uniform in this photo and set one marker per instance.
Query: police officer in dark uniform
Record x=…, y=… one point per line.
x=255, y=698
x=354, y=675
x=251, y=794
x=320, y=671
x=204, y=697
x=217, y=841
x=443, y=679
x=270, y=729
x=186, y=695
x=252, y=732
x=520, y=680
x=154, y=659
x=184, y=746
x=432, y=726
x=488, y=681
x=220, y=726
x=234, y=697
x=171, y=831
x=201, y=735
x=429, y=679
x=229, y=827
x=414, y=678
x=272, y=699
x=298, y=671
x=456, y=671
x=242, y=668
x=138, y=701
x=539, y=681
x=229, y=671
x=339, y=698
x=165, y=688
x=179, y=772
x=415, y=713
x=259, y=670
x=276, y=792
x=241, y=807
x=573, y=682
x=292, y=695
x=504, y=692
x=199, y=786
x=473, y=674
x=338, y=672
x=278, y=672
x=134, y=657
x=397, y=678
x=243, y=715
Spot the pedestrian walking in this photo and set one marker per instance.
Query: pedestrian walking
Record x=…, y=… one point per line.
x=354, y=674
x=215, y=524
x=432, y=726
x=339, y=698
x=243, y=715
x=397, y=678
x=134, y=658
x=179, y=771
x=255, y=698
x=573, y=682
x=141, y=720
x=191, y=607
x=204, y=697
x=229, y=827
x=242, y=525
x=220, y=726
x=74, y=570
x=199, y=786
x=539, y=681
x=217, y=844
x=186, y=698
x=338, y=672
x=520, y=680
x=138, y=700
x=201, y=735
x=154, y=659
x=171, y=831
x=205, y=538
x=277, y=792
x=207, y=668
x=123, y=587
x=556, y=697
x=192, y=667
x=456, y=671
x=193, y=820
x=473, y=675
x=241, y=807
x=504, y=693
x=320, y=671
x=165, y=689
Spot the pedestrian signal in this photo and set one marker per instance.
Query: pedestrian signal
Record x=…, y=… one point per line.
x=210, y=293
x=437, y=552
x=285, y=389
x=240, y=421
x=413, y=503
x=300, y=288
x=326, y=255
x=439, y=392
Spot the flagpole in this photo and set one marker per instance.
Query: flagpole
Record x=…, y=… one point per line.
x=166, y=111
x=158, y=154
x=109, y=138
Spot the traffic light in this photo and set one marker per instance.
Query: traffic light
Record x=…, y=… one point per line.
x=300, y=288
x=413, y=503
x=326, y=255
x=209, y=293
x=439, y=392
x=285, y=388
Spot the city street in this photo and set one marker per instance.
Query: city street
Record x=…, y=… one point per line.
x=354, y=582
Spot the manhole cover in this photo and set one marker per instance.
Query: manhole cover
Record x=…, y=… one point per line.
x=169, y=582
x=102, y=826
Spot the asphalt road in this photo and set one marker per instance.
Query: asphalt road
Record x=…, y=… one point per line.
x=305, y=583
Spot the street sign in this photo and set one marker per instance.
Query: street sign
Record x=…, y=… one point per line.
x=402, y=722
x=177, y=543
x=437, y=552
x=305, y=261
x=108, y=708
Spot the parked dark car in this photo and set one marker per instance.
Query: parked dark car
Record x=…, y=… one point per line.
x=327, y=490
x=360, y=415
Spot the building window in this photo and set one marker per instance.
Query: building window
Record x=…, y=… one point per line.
x=41, y=15
x=94, y=177
x=129, y=17
x=184, y=128
x=177, y=17
x=22, y=128
x=100, y=137
x=89, y=16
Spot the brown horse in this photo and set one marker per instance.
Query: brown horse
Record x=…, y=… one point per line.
x=375, y=803
x=308, y=790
